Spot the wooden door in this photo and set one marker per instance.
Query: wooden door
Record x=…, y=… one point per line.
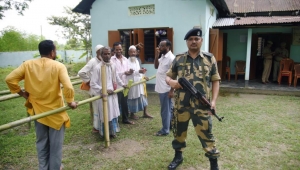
x=216, y=46
x=113, y=36
x=170, y=34
x=253, y=56
x=140, y=39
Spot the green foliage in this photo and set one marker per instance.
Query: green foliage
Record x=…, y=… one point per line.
x=76, y=29
x=59, y=58
x=36, y=55
x=83, y=54
x=73, y=44
x=12, y=39
x=74, y=68
x=3, y=73
x=8, y=4
x=70, y=59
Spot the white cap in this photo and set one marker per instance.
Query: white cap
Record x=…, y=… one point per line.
x=98, y=47
x=132, y=47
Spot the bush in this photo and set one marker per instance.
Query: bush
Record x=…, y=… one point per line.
x=74, y=68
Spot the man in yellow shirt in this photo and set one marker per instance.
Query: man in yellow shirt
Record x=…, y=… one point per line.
x=42, y=79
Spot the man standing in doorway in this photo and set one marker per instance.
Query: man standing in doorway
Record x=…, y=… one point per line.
x=122, y=70
x=165, y=92
x=268, y=56
x=280, y=53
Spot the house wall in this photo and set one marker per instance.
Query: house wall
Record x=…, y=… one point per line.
x=237, y=49
x=179, y=15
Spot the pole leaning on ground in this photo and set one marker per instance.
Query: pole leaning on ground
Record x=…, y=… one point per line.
x=41, y=115
x=105, y=107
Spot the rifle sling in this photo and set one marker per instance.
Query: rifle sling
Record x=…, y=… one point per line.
x=204, y=77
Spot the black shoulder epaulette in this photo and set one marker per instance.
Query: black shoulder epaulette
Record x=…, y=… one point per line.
x=207, y=54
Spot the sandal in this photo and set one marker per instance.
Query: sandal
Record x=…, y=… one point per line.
x=112, y=136
x=160, y=134
x=95, y=130
x=129, y=122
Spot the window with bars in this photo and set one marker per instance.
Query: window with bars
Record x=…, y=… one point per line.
x=260, y=46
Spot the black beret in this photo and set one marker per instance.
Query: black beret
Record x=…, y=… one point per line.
x=193, y=32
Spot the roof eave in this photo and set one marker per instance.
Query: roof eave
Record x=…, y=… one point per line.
x=84, y=7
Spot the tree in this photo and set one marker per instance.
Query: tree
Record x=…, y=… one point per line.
x=76, y=29
x=12, y=39
x=8, y=4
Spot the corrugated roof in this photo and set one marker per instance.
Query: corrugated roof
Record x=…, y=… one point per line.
x=245, y=6
x=225, y=22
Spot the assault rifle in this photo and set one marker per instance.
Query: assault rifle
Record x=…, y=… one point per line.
x=186, y=85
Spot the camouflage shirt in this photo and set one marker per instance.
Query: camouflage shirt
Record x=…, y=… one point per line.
x=194, y=74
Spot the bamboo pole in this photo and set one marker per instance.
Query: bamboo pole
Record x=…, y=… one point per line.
x=51, y=112
x=11, y=96
x=75, y=77
x=105, y=107
x=7, y=91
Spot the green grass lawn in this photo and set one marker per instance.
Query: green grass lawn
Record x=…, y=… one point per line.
x=259, y=132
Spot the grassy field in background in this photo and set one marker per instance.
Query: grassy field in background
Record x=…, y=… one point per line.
x=259, y=132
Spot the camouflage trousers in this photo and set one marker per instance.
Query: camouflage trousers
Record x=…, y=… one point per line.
x=203, y=126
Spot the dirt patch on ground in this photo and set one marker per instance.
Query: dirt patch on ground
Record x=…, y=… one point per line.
x=116, y=151
x=121, y=149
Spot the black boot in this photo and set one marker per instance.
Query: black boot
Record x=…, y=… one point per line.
x=213, y=164
x=176, y=161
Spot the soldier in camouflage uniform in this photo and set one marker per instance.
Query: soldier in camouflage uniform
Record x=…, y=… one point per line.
x=199, y=68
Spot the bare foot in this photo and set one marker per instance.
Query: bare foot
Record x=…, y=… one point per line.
x=146, y=115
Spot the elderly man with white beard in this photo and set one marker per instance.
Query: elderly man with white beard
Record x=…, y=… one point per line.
x=112, y=79
x=137, y=100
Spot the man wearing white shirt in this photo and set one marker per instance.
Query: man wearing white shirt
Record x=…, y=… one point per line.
x=123, y=71
x=85, y=74
x=162, y=65
x=137, y=100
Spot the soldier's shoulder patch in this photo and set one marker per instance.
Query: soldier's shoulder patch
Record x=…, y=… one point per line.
x=178, y=56
x=207, y=54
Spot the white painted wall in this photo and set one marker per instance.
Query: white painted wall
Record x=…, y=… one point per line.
x=181, y=15
x=177, y=14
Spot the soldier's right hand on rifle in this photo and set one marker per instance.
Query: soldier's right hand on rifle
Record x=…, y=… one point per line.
x=173, y=83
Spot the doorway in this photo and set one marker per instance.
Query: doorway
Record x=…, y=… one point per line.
x=149, y=37
x=260, y=40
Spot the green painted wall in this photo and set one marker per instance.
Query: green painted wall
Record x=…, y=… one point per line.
x=237, y=49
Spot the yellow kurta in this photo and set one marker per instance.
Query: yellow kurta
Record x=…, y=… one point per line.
x=42, y=78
